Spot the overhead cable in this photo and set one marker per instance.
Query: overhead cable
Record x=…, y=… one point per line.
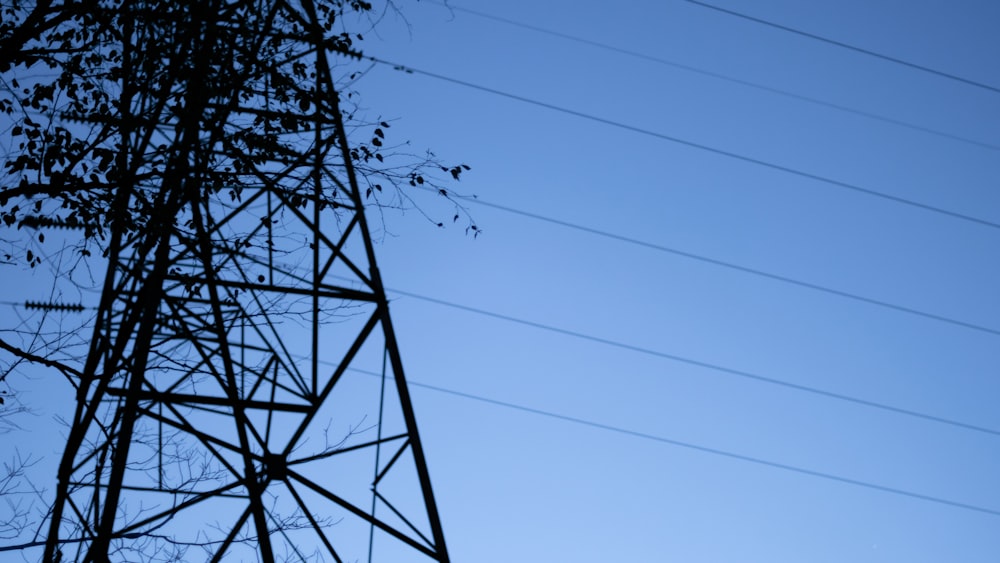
x=730, y=265
x=702, y=364
x=719, y=76
x=843, y=45
x=706, y=449
x=699, y=146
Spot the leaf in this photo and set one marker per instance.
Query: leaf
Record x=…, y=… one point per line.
x=384, y=124
x=379, y=133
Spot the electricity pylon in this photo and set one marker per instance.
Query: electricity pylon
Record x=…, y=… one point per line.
x=243, y=397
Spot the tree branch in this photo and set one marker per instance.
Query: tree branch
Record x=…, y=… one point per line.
x=28, y=356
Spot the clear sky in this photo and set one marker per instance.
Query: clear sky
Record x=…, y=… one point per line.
x=813, y=244
x=520, y=486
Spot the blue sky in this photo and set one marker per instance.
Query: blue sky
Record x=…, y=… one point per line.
x=527, y=486
x=517, y=485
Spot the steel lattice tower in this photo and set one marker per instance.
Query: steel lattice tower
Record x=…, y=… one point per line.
x=224, y=411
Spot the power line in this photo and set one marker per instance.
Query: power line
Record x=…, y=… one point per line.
x=730, y=265
x=713, y=451
x=692, y=144
x=702, y=364
x=719, y=76
x=696, y=447
x=845, y=45
x=714, y=261
x=701, y=258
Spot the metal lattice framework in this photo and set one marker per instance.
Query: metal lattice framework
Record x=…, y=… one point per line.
x=227, y=409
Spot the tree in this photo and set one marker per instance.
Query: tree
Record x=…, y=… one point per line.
x=197, y=148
